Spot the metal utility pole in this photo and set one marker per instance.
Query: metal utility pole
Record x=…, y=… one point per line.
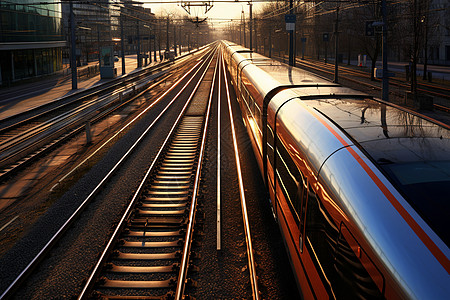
x=385, y=82
x=154, y=44
x=303, y=47
x=139, y=62
x=159, y=39
x=270, y=42
x=98, y=43
x=149, y=44
x=251, y=26
x=73, y=61
x=256, y=34
x=122, y=44
x=245, y=39
x=174, y=39
x=240, y=31
x=167, y=31
x=180, y=43
x=336, y=40
x=291, y=36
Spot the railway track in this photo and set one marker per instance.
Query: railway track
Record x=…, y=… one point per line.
x=248, y=237
x=31, y=138
x=430, y=89
x=41, y=254
x=153, y=233
x=130, y=79
x=149, y=254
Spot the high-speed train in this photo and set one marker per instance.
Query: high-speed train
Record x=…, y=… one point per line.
x=360, y=188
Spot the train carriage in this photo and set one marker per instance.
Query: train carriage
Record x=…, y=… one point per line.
x=358, y=187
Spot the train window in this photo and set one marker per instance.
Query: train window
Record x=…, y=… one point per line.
x=342, y=273
x=270, y=143
x=424, y=185
x=258, y=115
x=303, y=186
x=251, y=103
x=244, y=93
x=292, y=182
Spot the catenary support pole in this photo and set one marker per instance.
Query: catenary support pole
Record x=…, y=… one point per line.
x=291, y=36
x=251, y=26
x=336, y=47
x=139, y=61
x=122, y=44
x=385, y=82
x=73, y=61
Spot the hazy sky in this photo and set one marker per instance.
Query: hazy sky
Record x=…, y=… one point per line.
x=216, y=14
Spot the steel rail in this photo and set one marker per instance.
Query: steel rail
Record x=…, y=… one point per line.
x=41, y=254
x=90, y=281
x=394, y=81
x=251, y=260
x=40, y=146
x=94, y=90
x=85, y=101
x=179, y=293
x=398, y=80
x=55, y=123
x=59, y=136
x=30, y=137
x=122, y=129
x=41, y=138
x=218, y=212
x=132, y=80
x=78, y=96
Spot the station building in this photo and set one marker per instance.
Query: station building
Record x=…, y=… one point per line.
x=31, y=39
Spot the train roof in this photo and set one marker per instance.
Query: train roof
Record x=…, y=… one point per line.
x=288, y=75
x=412, y=151
x=283, y=73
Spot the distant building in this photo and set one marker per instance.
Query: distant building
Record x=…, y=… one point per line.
x=439, y=44
x=94, y=23
x=31, y=39
x=318, y=18
x=98, y=25
x=136, y=16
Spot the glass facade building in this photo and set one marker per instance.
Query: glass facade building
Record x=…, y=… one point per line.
x=31, y=39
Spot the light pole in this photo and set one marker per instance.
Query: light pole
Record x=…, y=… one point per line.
x=139, y=62
x=122, y=44
x=245, y=38
x=174, y=39
x=154, y=44
x=291, y=36
x=270, y=42
x=336, y=40
x=73, y=63
x=149, y=43
x=240, y=30
x=251, y=26
x=98, y=44
x=167, y=42
x=385, y=82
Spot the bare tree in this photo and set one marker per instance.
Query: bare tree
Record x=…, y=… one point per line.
x=371, y=45
x=418, y=23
